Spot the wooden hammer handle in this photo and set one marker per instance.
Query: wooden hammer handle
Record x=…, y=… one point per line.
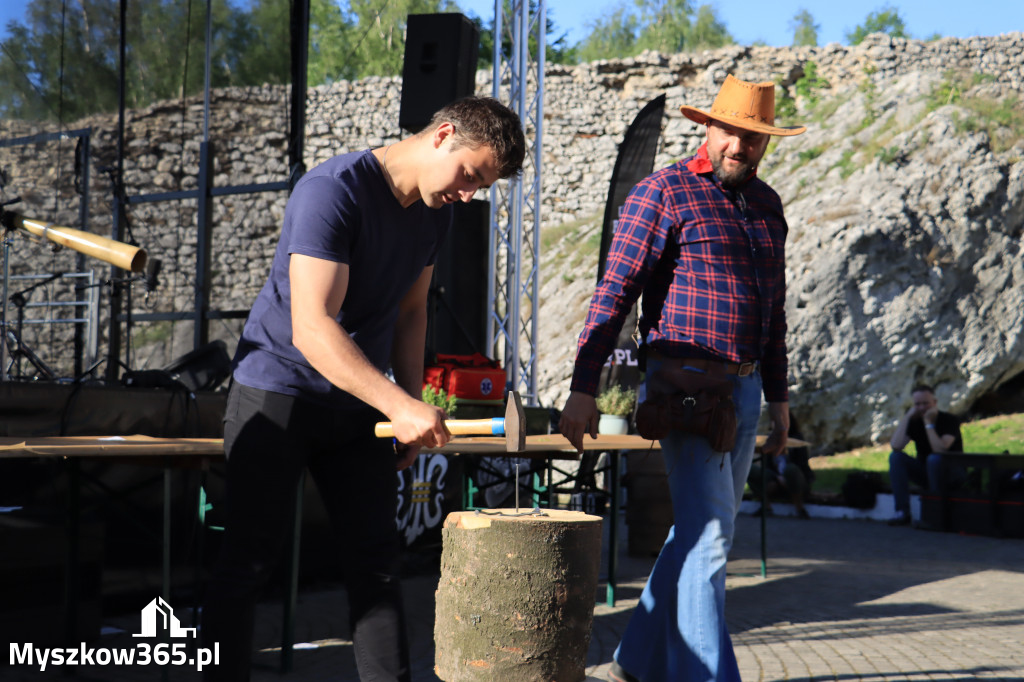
x=494, y=426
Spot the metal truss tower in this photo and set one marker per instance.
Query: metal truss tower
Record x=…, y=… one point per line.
x=514, y=244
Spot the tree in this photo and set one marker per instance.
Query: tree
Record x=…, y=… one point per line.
x=330, y=35
x=378, y=46
x=556, y=47
x=668, y=26
x=614, y=36
x=63, y=63
x=708, y=31
x=665, y=25
x=805, y=31
x=885, y=20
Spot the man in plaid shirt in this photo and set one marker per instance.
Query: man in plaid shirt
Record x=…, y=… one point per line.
x=704, y=242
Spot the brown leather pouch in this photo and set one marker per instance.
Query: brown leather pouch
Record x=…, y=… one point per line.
x=691, y=402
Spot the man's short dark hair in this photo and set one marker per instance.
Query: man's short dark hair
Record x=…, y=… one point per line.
x=923, y=387
x=483, y=121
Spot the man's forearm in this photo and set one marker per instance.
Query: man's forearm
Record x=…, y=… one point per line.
x=333, y=353
x=407, y=351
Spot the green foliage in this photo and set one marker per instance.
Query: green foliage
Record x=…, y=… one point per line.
x=995, y=434
x=830, y=472
x=870, y=92
x=806, y=155
x=64, y=64
x=805, y=31
x=440, y=398
x=667, y=26
x=808, y=85
x=846, y=165
x=379, y=34
x=617, y=401
x=889, y=155
x=811, y=154
x=885, y=20
x=947, y=92
x=785, y=106
x=613, y=36
x=330, y=36
x=708, y=32
x=1001, y=119
x=556, y=45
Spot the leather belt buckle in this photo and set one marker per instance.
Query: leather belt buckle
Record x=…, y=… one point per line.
x=746, y=368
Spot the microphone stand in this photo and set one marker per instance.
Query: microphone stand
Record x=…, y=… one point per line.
x=117, y=285
x=20, y=348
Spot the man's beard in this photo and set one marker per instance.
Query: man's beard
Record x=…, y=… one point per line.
x=734, y=178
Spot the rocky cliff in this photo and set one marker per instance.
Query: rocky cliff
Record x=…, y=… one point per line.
x=905, y=201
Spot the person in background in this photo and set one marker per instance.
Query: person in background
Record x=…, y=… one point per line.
x=789, y=475
x=933, y=432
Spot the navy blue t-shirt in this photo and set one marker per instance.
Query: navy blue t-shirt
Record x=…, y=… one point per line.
x=342, y=211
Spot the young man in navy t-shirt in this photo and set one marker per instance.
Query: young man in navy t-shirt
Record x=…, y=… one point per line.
x=345, y=300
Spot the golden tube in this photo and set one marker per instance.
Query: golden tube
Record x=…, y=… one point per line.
x=124, y=256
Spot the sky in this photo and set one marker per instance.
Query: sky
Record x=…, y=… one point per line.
x=770, y=21
x=767, y=21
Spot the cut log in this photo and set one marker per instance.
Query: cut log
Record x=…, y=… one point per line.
x=516, y=597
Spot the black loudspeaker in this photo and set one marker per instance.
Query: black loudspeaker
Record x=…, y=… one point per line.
x=440, y=65
x=458, y=292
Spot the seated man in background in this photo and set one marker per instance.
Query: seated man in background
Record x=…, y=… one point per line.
x=789, y=475
x=933, y=432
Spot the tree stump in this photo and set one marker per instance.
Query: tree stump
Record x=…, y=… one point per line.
x=516, y=597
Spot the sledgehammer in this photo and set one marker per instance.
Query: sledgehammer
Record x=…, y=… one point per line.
x=512, y=425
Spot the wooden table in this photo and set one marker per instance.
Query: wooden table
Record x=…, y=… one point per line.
x=108, y=446
x=168, y=453
x=190, y=452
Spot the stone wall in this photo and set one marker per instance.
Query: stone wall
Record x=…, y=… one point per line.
x=587, y=109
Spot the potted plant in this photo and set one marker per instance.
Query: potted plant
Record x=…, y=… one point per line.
x=616, y=405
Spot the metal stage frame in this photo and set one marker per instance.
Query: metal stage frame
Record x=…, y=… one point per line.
x=514, y=243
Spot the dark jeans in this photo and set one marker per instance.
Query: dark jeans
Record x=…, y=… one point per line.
x=269, y=438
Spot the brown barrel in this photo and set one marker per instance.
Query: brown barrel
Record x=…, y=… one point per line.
x=649, y=503
x=516, y=597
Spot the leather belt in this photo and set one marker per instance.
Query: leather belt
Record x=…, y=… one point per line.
x=717, y=366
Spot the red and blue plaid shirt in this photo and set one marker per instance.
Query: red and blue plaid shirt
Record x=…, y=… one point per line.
x=710, y=263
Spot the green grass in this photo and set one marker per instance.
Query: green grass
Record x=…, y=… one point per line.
x=991, y=435
x=1001, y=119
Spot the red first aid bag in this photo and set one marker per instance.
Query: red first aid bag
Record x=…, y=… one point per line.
x=467, y=377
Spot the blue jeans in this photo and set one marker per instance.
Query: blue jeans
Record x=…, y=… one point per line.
x=677, y=632
x=904, y=470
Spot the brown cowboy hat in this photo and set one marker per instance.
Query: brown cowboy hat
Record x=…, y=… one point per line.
x=750, y=106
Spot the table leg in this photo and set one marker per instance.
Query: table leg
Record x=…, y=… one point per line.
x=73, y=532
x=165, y=561
x=764, y=515
x=613, y=529
x=292, y=582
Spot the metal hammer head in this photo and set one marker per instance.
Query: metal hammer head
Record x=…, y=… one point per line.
x=515, y=423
